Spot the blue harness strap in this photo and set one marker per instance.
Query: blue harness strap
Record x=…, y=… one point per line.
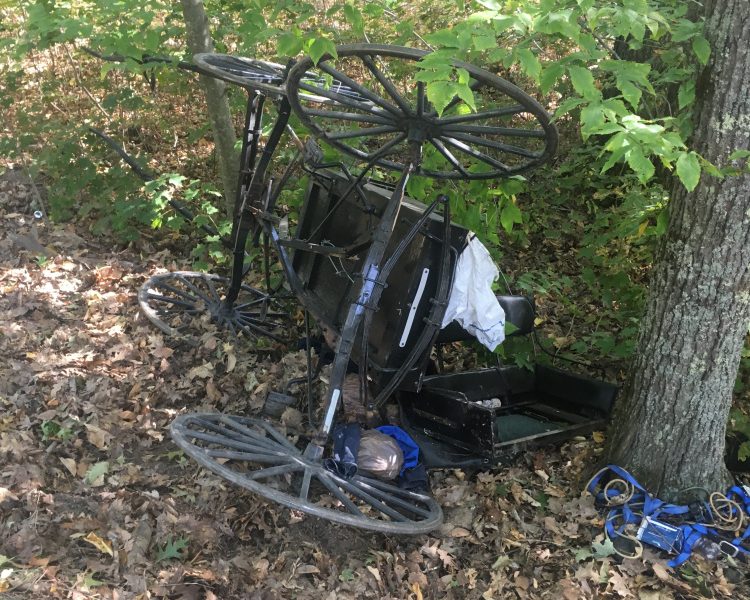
x=638, y=507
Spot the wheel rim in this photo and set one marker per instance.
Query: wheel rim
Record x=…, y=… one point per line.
x=380, y=109
x=252, y=454
x=176, y=301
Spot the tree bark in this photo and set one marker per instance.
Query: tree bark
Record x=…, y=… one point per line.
x=669, y=427
x=199, y=40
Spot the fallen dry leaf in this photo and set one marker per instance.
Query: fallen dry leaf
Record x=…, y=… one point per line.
x=100, y=544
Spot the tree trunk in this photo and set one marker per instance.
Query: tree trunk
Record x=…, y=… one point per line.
x=199, y=40
x=669, y=426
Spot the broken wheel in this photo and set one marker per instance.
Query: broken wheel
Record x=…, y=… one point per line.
x=172, y=301
x=251, y=453
x=492, y=130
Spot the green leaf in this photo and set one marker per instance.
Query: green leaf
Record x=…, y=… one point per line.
x=172, y=549
x=444, y=37
x=686, y=94
x=509, y=215
x=592, y=119
x=320, y=48
x=630, y=92
x=464, y=92
x=96, y=471
x=642, y=166
x=484, y=42
x=743, y=452
x=702, y=49
x=583, y=83
x=562, y=22
x=529, y=63
x=739, y=154
x=603, y=549
x=567, y=106
x=550, y=75
x=689, y=170
x=662, y=221
x=354, y=17
x=433, y=73
x=582, y=554
x=440, y=93
x=289, y=44
x=90, y=582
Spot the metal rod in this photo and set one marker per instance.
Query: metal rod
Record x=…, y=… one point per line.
x=369, y=296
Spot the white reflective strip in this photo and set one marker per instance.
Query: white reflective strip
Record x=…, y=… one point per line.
x=331, y=410
x=414, y=306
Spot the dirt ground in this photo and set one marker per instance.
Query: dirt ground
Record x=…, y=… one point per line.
x=97, y=502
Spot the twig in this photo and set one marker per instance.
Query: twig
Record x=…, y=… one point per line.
x=37, y=194
x=584, y=25
x=143, y=173
x=147, y=176
x=83, y=87
x=164, y=60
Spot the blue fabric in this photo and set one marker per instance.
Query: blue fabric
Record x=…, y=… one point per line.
x=408, y=446
x=346, y=439
x=641, y=505
x=414, y=480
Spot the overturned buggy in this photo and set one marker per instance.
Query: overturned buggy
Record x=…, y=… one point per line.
x=376, y=271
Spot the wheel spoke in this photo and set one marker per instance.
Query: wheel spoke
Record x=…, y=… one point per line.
x=193, y=287
x=245, y=456
x=385, y=149
x=239, y=307
x=304, y=489
x=366, y=132
x=189, y=305
x=358, y=88
x=212, y=289
x=394, y=495
x=487, y=130
x=476, y=154
x=278, y=437
x=492, y=113
x=239, y=432
x=258, y=319
x=480, y=141
x=232, y=328
x=387, y=84
x=178, y=292
x=274, y=471
x=371, y=500
x=346, y=116
x=421, y=99
x=253, y=330
x=216, y=439
x=340, y=496
x=259, y=444
x=449, y=157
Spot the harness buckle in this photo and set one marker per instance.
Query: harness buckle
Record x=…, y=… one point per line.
x=728, y=549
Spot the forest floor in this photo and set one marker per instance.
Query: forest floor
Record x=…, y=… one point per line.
x=97, y=502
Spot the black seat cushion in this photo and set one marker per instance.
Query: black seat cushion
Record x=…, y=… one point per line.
x=519, y=310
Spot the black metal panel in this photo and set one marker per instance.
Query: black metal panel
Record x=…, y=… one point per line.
x=331, y=279
x=494, y=413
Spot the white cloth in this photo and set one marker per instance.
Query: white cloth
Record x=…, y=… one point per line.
x=472, y=302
